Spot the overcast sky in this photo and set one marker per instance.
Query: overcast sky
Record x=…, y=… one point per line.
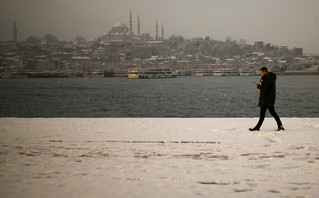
x=294, y=23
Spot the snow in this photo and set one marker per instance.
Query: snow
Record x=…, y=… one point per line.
x=158, y=157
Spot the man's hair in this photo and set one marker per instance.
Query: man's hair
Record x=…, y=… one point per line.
x=264, y=69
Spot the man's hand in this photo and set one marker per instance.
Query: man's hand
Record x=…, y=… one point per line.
x=256, y=84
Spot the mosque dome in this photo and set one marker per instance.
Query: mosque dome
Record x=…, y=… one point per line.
x=91, y=39
x=120, y=25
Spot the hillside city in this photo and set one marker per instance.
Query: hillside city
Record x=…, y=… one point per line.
x=113, y=53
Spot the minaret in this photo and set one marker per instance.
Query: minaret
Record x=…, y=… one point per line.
x=15, y=32
x=156, y=31
x=162, y=32
x=130, y=22
x=138, y=26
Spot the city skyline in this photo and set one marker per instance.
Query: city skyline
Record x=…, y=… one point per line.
x=291, y=23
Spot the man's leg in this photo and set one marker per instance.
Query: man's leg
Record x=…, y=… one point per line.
x=261, y=117
x=275, y=115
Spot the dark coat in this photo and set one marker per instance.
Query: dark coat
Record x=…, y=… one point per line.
x=267, y=88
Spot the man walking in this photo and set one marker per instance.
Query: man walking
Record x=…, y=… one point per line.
x=267, y=98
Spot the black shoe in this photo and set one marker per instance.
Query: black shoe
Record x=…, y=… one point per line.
x=254, y=129
x=280, y=128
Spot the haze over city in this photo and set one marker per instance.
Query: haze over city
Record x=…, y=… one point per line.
x=166, y=98
x=286, y=22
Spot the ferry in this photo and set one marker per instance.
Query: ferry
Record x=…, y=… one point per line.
x=202, y=72
x=226, y=72
x=247, y=72
x=135, y=73
x=95, y=74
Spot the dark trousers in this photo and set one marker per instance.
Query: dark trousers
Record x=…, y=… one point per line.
x=263, y=114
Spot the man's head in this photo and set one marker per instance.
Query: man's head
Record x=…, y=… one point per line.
x=263, y=71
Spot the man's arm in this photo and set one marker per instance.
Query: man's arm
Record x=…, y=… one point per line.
x=257, y=85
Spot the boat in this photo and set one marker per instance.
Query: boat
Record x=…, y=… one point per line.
x=226, y=72
x=95, y=74
x=202, y=72
x=61, y=75
x=136, y=73
x=247, y=72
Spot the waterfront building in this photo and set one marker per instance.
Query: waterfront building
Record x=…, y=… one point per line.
x=82, y=63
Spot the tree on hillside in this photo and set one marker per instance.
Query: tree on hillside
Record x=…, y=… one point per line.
x=176, y=42
x=33, y=39
x=80, y=40
x=209, y=47
x=51, y=39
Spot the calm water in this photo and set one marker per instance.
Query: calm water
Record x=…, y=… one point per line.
x=297, y=96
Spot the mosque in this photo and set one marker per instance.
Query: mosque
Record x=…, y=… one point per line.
x=121, y=40
x=121, y=33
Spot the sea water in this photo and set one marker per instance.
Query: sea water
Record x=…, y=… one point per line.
x=297, y=96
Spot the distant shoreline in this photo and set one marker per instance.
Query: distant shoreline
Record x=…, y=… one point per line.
x=121, y=74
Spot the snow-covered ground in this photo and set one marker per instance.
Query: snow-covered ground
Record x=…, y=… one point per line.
x=158, y=157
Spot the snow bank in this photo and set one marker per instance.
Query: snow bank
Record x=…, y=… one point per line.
x=158, y=157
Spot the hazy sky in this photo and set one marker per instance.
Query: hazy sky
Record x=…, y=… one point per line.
x=285, y=22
